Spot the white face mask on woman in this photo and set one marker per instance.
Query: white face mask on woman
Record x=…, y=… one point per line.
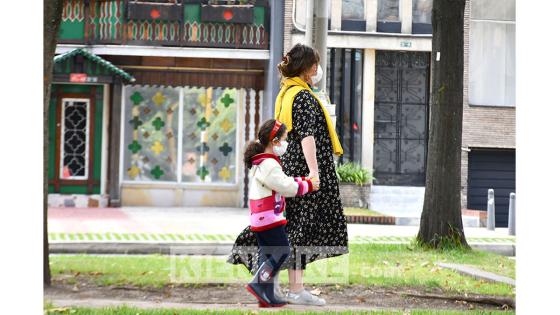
x=317, y=77
x=280, y=150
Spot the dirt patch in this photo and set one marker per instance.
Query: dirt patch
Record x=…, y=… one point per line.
x=82, y=287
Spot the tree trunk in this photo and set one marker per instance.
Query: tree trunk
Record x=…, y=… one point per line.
x=441, y=224
x=52, y=16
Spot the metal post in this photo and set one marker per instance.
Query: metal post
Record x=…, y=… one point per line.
x=511, y=218
x=320, y=37
x=309, y=23
x=272, y=83
x=316, y=29
x=491, y=211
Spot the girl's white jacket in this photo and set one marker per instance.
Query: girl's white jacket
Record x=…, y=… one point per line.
x=268, y=188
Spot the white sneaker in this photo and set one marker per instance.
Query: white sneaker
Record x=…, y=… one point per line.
x=277, y=289
x=304, y=298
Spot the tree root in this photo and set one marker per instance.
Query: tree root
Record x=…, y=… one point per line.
x=492, y=300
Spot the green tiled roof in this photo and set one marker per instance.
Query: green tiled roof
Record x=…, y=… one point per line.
x=104, y=63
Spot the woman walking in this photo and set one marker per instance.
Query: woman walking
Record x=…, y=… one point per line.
x=316, y=225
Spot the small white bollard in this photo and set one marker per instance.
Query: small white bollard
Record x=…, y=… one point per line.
x=511, y=218
x=491, y=211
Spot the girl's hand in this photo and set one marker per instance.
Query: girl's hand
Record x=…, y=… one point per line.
x=316, y=183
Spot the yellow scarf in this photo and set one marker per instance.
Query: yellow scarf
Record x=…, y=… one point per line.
x=285, y=100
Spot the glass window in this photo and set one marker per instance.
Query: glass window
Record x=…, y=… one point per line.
x=208, y=149
x=347, y=98
x=388, y=11
x=75, y=139
x=209, y=134
x=492, y=56
x=498, y=10
x=422, y=11
x=300, y=11
x=352, y=9
x=150, y=133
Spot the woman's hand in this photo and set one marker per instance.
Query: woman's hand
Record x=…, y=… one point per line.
x=310, y=151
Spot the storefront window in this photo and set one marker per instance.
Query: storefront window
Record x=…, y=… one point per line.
x=150, y=138
x=209, y=134
x=207, y=152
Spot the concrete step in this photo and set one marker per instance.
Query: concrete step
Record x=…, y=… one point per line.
x=405, y=204
x=397, y=201
x=415, y=221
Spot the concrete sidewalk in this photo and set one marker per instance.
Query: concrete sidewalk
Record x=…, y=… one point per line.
x=208, y=226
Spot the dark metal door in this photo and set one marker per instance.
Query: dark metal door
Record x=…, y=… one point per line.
x=491, y=169
x=401, y=117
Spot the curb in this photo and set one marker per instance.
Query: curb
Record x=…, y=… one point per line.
x=141, y=248
x=408, y=221
x=368, y=219
x=207, y=249
x=477, y=273
x=500, y=249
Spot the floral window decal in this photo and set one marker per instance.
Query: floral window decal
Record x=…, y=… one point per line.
x=181, y=134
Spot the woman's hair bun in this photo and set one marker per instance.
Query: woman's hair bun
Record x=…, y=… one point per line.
x=299, y=59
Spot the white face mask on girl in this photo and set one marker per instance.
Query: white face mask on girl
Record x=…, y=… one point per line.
x=280, y=150
x=317, y=77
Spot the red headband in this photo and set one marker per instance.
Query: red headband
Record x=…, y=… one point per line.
x=277, y=126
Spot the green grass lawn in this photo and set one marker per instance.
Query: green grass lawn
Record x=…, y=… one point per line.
x=136, y=311
x=368, y=264
x=362, y=211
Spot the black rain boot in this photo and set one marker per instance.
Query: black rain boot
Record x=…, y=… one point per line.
x=262, y=287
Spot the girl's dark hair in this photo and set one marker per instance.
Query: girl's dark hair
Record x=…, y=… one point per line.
x=254, y=147
x=297, y=60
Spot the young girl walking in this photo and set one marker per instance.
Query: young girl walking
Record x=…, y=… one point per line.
x=267, y=191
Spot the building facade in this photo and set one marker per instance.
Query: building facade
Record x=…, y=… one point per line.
x=488, y=157
x=153, y=101
x=379, y=78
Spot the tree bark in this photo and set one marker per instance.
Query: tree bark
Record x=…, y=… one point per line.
x=52, y=15
x=441, y=224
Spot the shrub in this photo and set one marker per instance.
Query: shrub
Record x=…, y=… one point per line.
x=354, y=173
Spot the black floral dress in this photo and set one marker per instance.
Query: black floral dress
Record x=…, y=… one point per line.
x=316, y=224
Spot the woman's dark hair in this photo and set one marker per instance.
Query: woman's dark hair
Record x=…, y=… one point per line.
x=254, y=147
x=297, y=60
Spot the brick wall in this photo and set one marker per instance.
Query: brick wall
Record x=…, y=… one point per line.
x=488, y=127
